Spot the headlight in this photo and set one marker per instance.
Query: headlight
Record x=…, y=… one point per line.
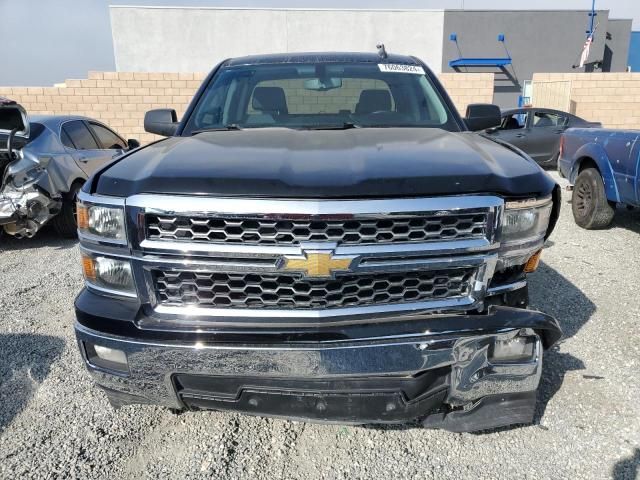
x=102, y=221
x=526, y=220
x=110, y=274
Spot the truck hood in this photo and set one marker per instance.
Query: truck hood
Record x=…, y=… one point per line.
x=287, y=163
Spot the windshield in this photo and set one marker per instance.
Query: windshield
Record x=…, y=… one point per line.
x=323, y=95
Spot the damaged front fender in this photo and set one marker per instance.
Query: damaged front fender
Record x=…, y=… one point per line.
x=35, y=172
x=25, y=209
x=33, y=189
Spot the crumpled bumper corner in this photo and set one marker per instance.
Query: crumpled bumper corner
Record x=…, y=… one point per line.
x=443, y=375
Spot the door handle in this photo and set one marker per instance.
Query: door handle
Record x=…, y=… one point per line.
x=520, y=135
x=83, y=159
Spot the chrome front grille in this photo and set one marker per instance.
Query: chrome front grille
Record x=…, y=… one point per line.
x=279, y=260
x=286, y=291
x=348, y=230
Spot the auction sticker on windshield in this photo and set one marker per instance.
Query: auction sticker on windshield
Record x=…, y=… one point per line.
x=396, y=68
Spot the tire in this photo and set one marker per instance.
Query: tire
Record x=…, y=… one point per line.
x=65, y=222
x=591, y=209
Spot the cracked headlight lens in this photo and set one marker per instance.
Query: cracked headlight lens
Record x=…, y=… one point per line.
x=101, y=221
x=527, y=220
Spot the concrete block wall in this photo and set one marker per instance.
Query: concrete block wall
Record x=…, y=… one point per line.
x=466, y=88
x=610, y=98
x=120, y=99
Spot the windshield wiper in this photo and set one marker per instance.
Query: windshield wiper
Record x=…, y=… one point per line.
x=344, y=126
x=226, y=128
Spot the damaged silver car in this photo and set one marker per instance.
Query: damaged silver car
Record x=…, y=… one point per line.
x=44, y=160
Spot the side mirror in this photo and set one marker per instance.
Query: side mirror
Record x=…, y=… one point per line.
x=481, y=116
x=133, y=143
x=163, y=121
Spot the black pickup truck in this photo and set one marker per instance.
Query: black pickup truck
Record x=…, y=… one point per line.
x=321, y=237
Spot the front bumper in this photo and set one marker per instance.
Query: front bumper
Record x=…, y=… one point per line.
x=435, y=369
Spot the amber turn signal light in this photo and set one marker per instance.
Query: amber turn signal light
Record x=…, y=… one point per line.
x=82, y=216
x=88, y=268
x=533, y=262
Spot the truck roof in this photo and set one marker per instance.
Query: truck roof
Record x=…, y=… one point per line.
x=321, y=57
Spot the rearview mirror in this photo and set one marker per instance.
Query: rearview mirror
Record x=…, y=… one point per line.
x=162, y=121
x=481, y=116
x=322, y=84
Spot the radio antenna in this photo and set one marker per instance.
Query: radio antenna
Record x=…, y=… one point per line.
x=382, y=52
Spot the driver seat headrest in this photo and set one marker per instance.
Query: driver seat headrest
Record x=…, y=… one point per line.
x=373, y=100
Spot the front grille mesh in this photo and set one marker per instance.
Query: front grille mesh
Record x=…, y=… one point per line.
x=250, y=290
x=292, y=231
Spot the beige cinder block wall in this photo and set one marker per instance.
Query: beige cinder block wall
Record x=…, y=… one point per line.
x=120, y=99
x=466, y=88
x=610, y=98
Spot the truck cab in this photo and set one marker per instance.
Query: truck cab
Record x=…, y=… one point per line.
x=320, y=237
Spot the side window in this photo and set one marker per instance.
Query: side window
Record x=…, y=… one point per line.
x=66, y=140
x=514, y=121
x=79, y=135
x=544, y=119
x=107, y=138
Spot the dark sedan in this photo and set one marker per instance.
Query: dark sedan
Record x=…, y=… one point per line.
x=537, y=131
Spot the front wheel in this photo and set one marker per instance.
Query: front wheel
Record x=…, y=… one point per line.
x=65, y=222
x=591, y=209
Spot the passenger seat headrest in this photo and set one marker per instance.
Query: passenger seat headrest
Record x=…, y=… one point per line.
x=373, y=101
x=269, y=100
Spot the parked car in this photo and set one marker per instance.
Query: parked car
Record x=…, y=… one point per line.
x=603, y=166
x=537, y=131
x=44, y=168
x=321, y=237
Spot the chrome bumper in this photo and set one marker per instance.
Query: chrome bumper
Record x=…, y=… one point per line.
x=471, y=375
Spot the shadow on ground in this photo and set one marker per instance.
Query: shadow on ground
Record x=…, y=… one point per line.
x=624, y=218
x=25, y=361
x=553, y=294
x=47, y=237
x=628, y=468
x=627, y=219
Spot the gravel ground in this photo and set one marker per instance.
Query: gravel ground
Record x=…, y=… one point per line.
x=54, y=423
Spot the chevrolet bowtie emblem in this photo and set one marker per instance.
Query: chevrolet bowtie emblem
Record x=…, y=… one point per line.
x=317, y=264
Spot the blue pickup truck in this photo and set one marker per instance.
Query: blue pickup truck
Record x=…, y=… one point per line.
x=603, y=165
